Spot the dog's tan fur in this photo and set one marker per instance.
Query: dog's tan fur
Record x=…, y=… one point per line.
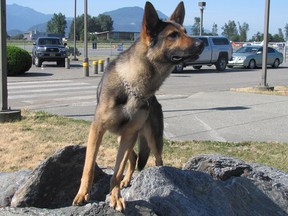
x=126, y=103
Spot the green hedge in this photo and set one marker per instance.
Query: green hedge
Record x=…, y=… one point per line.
x=18, y=61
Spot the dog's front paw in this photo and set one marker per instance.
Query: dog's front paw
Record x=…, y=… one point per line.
x=117, y=202
x=80, y=199
x=125, y=183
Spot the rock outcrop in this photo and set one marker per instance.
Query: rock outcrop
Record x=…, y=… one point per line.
x=207, y=185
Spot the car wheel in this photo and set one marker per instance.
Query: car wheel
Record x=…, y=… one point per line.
x=37, y=62
x=276, y=63
x=197, y=67
x=178, y=68
x=221, y=63
x=252, y=64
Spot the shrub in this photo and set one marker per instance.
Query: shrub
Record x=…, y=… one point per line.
x=18, y=61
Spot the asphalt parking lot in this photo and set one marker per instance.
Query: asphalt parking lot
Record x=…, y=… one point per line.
x=197, y=104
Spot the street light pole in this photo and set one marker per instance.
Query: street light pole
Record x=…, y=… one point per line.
x=3, y=59
x=75, y=6
x=202, y=6
x=263, y=83
x=6, y=114
x=86, y=61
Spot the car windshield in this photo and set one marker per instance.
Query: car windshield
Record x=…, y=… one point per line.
x=247, y=50
x=49, y=41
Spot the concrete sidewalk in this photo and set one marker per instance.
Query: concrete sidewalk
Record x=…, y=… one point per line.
x=219, y=115
x=227, y=116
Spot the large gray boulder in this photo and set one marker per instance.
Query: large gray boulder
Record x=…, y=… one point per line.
x=55, y=182
x=172, y=191
x=272, y=182
x=208, y=185
x=10, y=183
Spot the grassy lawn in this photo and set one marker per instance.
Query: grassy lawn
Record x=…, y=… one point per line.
x=278, y=90
x=38, y=135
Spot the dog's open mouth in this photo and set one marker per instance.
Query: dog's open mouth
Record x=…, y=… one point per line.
x=178, y=59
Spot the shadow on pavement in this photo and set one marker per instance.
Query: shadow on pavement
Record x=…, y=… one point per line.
x=34, y=74
x=72, y=65
x=209, y=109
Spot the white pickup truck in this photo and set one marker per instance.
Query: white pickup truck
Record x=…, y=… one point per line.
x=217, y=51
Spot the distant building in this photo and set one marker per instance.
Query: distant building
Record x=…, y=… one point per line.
x=117, y=35
x=34, y=35
x=124, y=35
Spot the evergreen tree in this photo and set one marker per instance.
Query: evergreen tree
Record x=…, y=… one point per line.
x=243, y=29
x=196, y=26
x=230, y=30
x=57, y=24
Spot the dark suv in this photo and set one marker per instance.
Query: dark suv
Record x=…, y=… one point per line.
x=49, y=49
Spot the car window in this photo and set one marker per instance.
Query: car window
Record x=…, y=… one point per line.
x=204, y=40
x=220, y=41
x=49, y=41
x=248, y=49
x=270, y=50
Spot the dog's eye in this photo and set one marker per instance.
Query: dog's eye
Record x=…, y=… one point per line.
x=174, y=35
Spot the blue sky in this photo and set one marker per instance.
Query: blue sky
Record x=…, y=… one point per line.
x=218, y=11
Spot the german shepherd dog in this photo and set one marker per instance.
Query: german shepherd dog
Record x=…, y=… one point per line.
x=126, y=104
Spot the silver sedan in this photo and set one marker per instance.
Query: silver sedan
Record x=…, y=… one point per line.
x=251, y=57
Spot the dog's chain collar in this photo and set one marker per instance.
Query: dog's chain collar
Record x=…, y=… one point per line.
x=134, y=93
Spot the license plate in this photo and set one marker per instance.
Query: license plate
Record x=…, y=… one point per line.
x=52, y=54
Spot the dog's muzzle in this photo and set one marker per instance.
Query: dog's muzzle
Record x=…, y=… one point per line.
x=192, y=54
x=178, y=59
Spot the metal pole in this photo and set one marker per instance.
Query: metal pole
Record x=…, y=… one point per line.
x=265, y=45
x=6, y=114
x=3, y=58
x=201, y=21
x=86, y=70
x=75, y=6
x=284, y=53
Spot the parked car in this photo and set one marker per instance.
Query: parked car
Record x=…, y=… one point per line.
x=217, y=51
x=251, y=57
x=49, y=49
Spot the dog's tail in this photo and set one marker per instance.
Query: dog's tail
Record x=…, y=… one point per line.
x=144, y=152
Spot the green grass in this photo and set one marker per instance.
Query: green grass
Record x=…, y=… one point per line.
x=25, y=143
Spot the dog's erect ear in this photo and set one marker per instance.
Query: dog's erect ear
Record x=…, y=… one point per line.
x=150, y=22
x=179, y=14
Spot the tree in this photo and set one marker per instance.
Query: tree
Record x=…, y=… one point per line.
x=106, y=22
x=57, y=24
x=278, y=37
x=196, y=26
x=230, y=30
x=94, y=24
x=214, y=29
x=79, y=28
x=257, y=37
x=286, y=31
x=18, y=37
x=243, y=29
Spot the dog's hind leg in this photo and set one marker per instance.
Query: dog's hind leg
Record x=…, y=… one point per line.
x=155, y=143
x=151, y=136
x=127, y=143
x=144, y=150
x=130, y=170
x=96, y=133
